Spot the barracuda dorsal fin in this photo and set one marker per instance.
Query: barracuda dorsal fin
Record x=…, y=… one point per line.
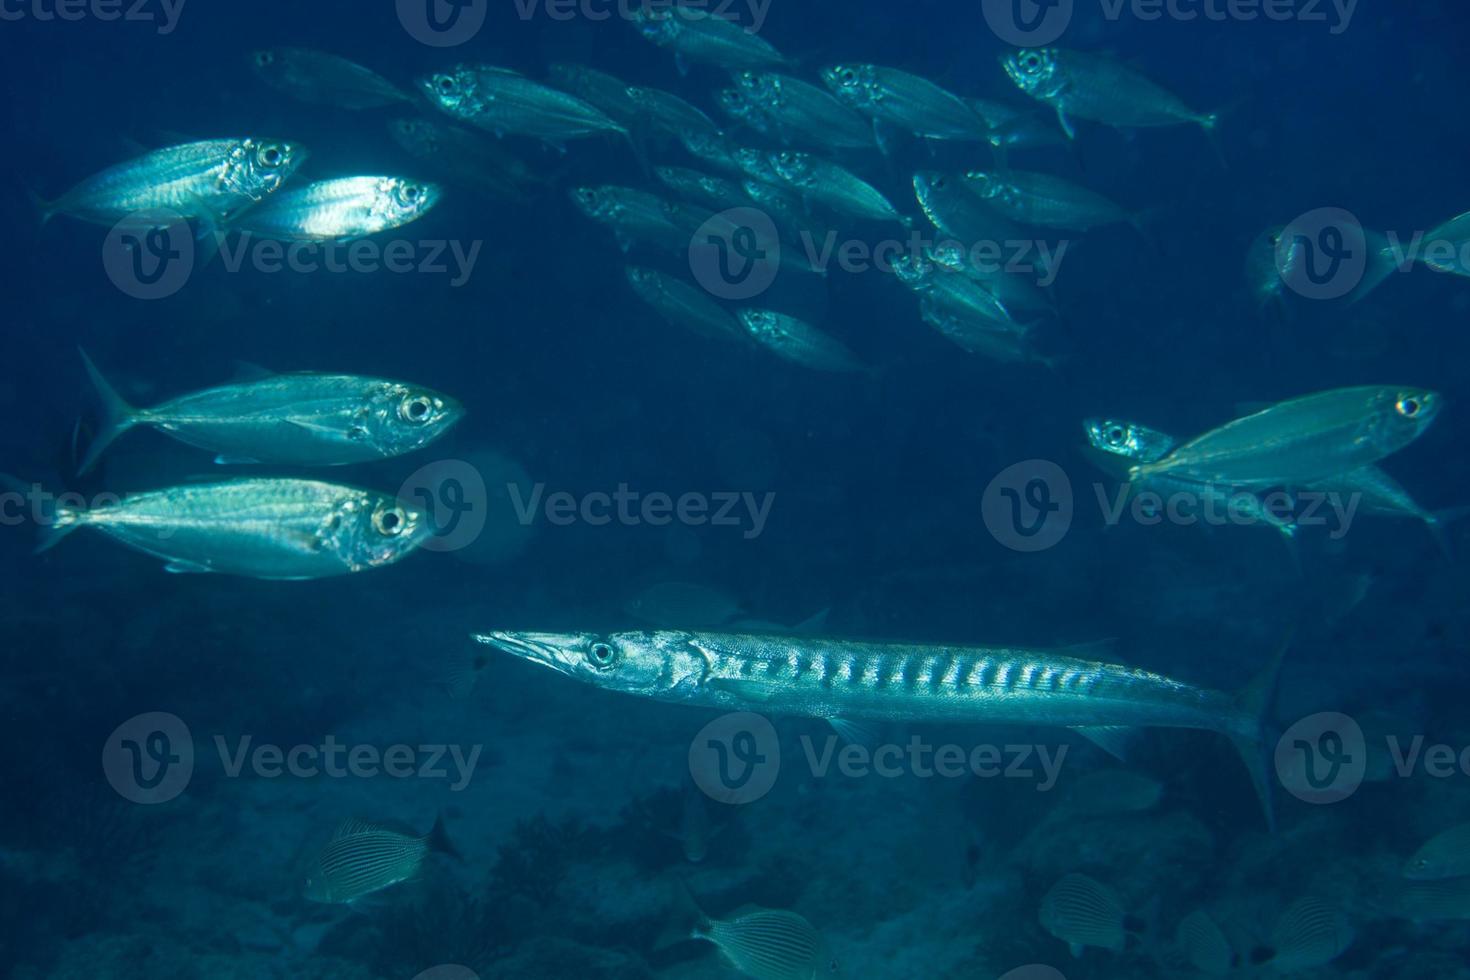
x=1114, y=740
x=744, y=690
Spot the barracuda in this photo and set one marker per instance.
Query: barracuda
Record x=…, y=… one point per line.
x=857, y=681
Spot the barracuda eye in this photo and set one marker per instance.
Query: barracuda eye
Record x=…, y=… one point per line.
x=601, y=655
x=271, y=156
x=1409, y=406
x=390, y=521
x=417, y=409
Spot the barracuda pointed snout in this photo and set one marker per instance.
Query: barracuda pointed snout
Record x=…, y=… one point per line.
x=555, y=650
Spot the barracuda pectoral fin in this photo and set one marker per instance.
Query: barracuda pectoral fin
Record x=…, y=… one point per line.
x=856, y=732
x=744, y=690
x=1112, y=740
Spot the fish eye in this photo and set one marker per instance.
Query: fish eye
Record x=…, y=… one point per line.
x=409, y=194
x=939, y=183
x=271, y=156
x=1409, y=406
x=446, y=84
x=264, y=59
x=1117, y=435
x=601, y=655
x=848, y=76
x=390, y=521
x=1030, y=62
x=416, y=408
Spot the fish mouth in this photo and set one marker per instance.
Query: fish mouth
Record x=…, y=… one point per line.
x=546, y=649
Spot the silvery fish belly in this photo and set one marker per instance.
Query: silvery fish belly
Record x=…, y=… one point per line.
x=1304, y=439
x=308, y=419
x=804, y=113
x=1041, y=199
x=267, y=528
x=909, y=102
x=207, y=179
x=1098, y=88
x=877, y=681
x=341, y=209
x=504, y=101
x=325, y=79
x=705, y=36
x=798, y=341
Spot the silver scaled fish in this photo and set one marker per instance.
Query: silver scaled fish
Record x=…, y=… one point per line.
x=201, y=180
x=694, y=34
x=278, y=529
x=913, y=104
x=1098, y=88
x=505, y=101
x=799, y=342
x=325, y=79
x=341, y=209
x=294, y=419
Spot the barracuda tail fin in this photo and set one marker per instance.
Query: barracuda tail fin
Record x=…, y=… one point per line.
x=117, y=415
x=1255, y=702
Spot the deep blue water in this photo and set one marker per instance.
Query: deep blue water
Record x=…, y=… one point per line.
x=876, y=516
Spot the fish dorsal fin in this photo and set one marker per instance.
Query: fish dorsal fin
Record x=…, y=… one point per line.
x=250, y=371
x=352, y=827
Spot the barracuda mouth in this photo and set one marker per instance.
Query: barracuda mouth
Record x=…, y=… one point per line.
x=554, y=650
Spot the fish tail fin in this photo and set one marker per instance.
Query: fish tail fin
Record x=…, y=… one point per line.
x=686, y=919
x=1255, y=703
x=59, y=525
x=45, y=210
x=117, y=415
x=1382, y=263
x=438, y=839
x=1436, y=522
x=1210, y=124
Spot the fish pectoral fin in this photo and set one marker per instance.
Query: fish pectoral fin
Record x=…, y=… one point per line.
x=224, y=459
x=856, y=732
x=180, y=567
x=744, y=690
x=1113, y=740
x=1066, y=123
